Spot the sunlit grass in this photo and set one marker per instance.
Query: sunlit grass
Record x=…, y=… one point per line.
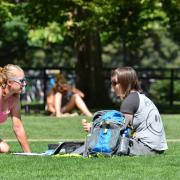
x=158, y=167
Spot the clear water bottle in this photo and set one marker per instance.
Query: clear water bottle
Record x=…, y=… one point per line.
x=124, y=143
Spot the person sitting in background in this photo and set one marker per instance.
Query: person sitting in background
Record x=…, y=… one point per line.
x=12, y=82
x=62, y=98
x=140, y=113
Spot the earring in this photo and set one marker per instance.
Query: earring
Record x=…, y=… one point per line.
x=3, y=87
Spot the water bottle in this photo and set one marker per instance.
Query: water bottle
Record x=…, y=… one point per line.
x=127, y=132
x=124, y=143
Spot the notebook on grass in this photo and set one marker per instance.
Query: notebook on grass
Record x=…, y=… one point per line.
x=49, y=152
x=53, y=149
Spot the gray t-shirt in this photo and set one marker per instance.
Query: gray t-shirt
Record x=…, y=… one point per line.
x=147, y=121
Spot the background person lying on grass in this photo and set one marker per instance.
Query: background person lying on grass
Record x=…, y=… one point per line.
x=12, y=82
x=140, y=113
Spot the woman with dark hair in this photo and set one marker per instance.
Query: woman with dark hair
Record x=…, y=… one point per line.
x=140, y=113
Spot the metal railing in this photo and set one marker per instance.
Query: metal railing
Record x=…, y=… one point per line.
x=41, y=80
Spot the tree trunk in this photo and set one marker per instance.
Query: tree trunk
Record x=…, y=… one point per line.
x=90, y=78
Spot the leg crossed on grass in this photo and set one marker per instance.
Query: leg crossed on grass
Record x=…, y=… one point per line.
x=137, y=148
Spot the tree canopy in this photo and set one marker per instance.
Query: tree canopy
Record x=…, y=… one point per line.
x=129, y=31
x=90, y=35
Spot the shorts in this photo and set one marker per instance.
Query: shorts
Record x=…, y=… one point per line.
x=65, y=98
x=137, y=148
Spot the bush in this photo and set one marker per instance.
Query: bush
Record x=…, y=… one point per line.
x=161, y=92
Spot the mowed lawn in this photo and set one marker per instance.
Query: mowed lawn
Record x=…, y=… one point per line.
x=42, y=130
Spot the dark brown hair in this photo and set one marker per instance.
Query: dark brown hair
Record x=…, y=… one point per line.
x=59, y=84
x=128, y=79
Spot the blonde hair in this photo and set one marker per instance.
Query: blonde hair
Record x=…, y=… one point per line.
x=8, y=72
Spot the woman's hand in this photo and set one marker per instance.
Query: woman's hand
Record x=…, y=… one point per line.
x=86, y=125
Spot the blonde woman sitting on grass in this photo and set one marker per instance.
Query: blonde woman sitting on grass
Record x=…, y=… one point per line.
x=62, y=98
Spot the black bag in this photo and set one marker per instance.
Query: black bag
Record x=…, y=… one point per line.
x=65, y=147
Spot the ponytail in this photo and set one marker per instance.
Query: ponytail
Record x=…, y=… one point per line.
x=3, y=78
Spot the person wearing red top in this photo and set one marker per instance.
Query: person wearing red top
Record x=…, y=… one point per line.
x=12, y=82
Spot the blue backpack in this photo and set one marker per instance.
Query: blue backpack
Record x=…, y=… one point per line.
x=105, y=135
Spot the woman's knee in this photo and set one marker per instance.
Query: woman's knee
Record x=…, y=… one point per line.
x=76, y=96
x=4, y=147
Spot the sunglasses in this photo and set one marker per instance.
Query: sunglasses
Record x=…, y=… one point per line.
x=114, y=83
x=20, y=81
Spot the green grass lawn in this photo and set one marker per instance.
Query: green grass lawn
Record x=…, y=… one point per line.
x=42, y=128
